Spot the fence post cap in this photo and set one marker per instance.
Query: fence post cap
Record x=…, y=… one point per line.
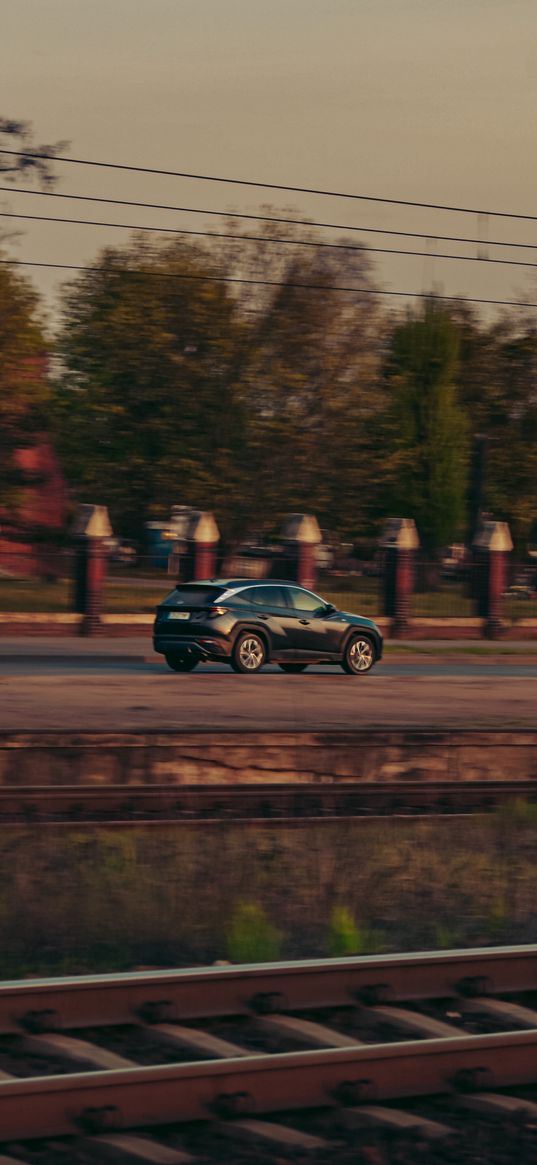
x=494, y=536
x=401, y=533
x=92, y=522
x=301, y=528
x=202, y=527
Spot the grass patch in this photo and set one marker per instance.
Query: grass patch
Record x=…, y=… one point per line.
x=73, y=901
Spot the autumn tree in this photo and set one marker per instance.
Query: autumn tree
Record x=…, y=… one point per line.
x=308, y=376
x=23, y=388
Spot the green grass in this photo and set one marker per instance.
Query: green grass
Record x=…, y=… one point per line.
x=360, y=595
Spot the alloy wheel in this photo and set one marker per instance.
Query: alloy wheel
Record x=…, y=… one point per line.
x=359, y=656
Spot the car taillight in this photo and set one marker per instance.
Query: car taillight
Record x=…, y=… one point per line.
x=213, y=612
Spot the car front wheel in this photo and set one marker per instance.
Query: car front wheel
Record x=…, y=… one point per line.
x=181, y=662
x=359, y=655
x=249, y=653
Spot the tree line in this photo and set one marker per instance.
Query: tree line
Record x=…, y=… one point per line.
x=170, y=382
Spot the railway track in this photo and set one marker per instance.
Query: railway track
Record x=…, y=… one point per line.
x=318, y=1059
x=277, y=803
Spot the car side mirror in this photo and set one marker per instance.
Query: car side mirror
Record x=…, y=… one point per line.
x=329, y=609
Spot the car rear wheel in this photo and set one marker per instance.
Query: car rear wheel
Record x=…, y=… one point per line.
x=249, y=653
x=293, y=668
x=181, y=662
x=359, y=655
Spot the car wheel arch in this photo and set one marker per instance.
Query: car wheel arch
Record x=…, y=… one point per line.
x=261, y=632
x=367, y=632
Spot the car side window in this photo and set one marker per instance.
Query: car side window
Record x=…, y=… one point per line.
x=305, y=601
x=266, y=597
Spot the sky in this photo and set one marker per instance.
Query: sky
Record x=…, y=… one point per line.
x=428, y=100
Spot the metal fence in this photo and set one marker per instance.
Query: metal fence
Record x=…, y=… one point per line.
x=41, y=579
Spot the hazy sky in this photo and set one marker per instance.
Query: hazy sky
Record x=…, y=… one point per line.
x=432, y=100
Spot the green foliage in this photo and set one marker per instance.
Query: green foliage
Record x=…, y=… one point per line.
x=251, y=937
x=497, y=387
x=430, y=429
x=178, y=388
x=344, y=937
x=446, y=937
x=75, y=900
x=145, y=412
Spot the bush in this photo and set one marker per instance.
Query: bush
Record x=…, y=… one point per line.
x=252, y=938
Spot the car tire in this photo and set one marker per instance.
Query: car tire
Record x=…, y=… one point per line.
x=181, y=662
x=249, y=653
x=292, y=669
x=359, y=655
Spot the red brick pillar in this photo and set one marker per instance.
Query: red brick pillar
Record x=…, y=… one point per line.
x=202, y=541
x=301, y=535
x=492, y=548
x=400, y=543
x=92, y=528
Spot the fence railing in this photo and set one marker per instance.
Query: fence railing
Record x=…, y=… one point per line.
x=41, y=579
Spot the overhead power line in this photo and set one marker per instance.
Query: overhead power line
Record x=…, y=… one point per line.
x=312, y=243
x=332, y=226
x=267, y=283
x=269, y=185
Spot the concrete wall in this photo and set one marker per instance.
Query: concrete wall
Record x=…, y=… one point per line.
x=67, y=758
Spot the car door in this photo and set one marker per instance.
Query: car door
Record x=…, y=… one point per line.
x=314, y=632
x=269, y=605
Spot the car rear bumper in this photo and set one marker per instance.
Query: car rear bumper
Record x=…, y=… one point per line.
x=203, y=648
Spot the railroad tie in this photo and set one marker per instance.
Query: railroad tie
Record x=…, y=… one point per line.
x=376, y=1116
x=306, y=1031
x=198, y=1040
x=416, y=1021
x=504, y=1009
x=123, y=1147
x=79, y=1051
x=499, y=1105
x=281, y=1136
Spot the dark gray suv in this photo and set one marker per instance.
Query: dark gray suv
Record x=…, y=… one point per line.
x=246, y=624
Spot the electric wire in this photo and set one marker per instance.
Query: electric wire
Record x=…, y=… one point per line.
x=41, y=156
x=291, y=285
x=270, y=218
x=312, y=243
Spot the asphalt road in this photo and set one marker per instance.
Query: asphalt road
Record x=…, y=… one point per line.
x=119, y=684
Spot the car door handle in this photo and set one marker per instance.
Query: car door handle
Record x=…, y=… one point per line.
x=262, y=616
x=305, y=621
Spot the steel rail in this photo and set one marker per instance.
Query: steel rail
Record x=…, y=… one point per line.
x=45, y=804
x=129, y=1098
x=248, y=989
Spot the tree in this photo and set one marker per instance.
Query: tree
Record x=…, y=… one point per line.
x=145, y=411
x=253, y=401
x=429, y=428
x=498, y=388
x=308, y=377
x=23, y=388
x=18, y=135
